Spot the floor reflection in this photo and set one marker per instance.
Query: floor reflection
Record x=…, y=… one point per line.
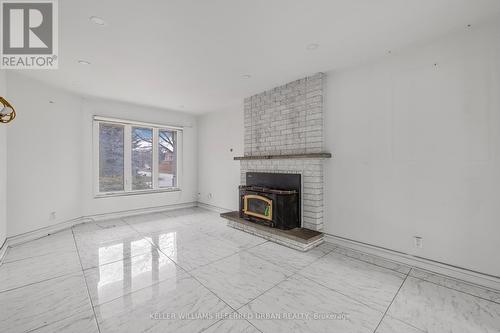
x=167, y=242
x=142, y=264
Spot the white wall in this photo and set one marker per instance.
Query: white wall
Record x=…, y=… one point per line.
x=94, y=206
x=417, y=151
x=44, y=155
x=3, y=166
x=218, y=173
x=50, y=156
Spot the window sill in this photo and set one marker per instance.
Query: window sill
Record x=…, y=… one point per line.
x=141, y=192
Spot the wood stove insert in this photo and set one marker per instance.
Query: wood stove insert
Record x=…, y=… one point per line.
x=271, y=199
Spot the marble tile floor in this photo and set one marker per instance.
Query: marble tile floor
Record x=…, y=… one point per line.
x=186, y=271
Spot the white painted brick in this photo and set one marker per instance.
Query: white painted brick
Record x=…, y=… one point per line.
x=285, y=120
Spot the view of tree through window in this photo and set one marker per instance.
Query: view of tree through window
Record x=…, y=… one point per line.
x=111, y=151
x=133, y=164
x=142, y=158
x=167, y=159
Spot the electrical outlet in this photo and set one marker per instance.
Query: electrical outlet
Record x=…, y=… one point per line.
x=52, y=215
x=418, y=242
x=210, y=195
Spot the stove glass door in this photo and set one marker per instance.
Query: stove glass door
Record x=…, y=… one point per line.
x=258, y=206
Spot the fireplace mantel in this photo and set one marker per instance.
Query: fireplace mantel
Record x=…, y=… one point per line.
x=289, y=156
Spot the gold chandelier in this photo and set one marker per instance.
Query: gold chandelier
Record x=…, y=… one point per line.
x=7, y=112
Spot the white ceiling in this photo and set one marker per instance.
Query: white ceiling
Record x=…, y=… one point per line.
x=190, y=55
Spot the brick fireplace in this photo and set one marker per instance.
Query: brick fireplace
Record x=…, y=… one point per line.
x=284, y=134
x=285, y=124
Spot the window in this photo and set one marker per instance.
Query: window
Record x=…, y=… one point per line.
x=167, y=157
x=135, y=157
x=142, y=158
x=111, y=158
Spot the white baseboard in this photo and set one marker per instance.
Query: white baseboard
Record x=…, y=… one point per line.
x=132, y=212
x=3, y=250
x=213, y=208
x=45, y=231
x=38, y=233
x=459, y=273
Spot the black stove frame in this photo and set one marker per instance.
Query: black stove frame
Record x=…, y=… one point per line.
x=283, y=189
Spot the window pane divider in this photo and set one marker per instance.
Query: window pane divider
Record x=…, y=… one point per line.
x=156, y=165
x=179, y=166
x=128, y=158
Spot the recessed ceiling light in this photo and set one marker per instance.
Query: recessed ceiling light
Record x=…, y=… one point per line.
x=246, y=76
x=51, y=102
x=83, y=62
x=312, y=46
x=97, y=20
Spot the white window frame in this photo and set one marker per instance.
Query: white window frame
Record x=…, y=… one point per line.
x=127, y=156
